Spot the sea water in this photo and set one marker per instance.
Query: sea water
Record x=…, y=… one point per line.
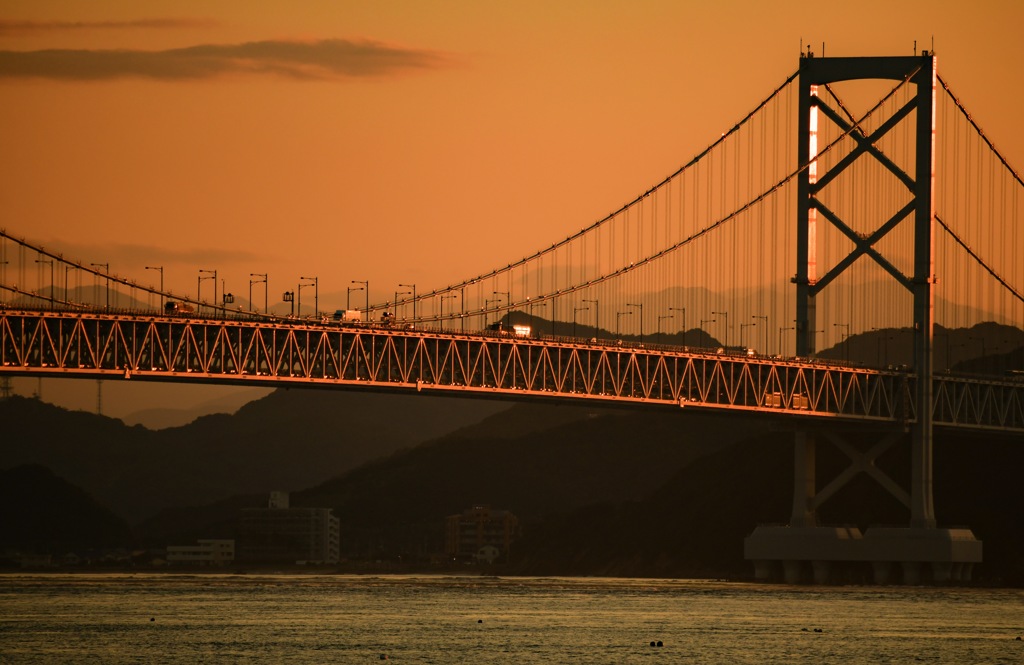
x=182, y=618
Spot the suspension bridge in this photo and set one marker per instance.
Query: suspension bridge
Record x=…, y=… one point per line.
x=860, y=197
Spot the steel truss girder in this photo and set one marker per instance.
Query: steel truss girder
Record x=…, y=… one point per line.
x=176, y=349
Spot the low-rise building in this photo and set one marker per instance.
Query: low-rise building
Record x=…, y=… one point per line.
x=480, y=534
x=209, y=552
x=282, y=534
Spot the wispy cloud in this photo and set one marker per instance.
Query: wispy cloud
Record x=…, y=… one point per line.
x=13, y=27
x=306, y=60
x=117, y=254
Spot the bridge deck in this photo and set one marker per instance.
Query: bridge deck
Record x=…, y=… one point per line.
x=169, y=348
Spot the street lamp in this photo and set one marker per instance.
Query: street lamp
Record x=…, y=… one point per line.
x=298, y=290
x=641, y=306
x=348, y=297
x=846, y=338
x=726, y=315
x=400, y=293
x=683, y=310
x=618, y=317
x=266, y=287
x=106, y=273
x=597, y=315
x=211, y=274
x=574, y=310
x=702, y=322
x=508, y=298
x=765, y=319
x=366, y=285
x=879, y=347
x=52, y=289
x=289, y=296
x=487, y=306
x=316, y=294
x=816, y=332
x=782, y=330
x=413, y=287
x=160, y=268
x=742, y=326
x=663, y=316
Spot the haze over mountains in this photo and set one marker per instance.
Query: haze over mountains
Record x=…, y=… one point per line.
x=288, y=440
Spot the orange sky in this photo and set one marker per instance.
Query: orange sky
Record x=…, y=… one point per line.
x=406, y=141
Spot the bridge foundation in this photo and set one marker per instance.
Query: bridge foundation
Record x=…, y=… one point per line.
x=882, y=555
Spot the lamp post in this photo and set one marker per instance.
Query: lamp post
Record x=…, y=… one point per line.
x=574, y=310
x=443, y=298
x=702, y=322
x=742, y=326
x=211, y=274
x=348, y=297
x=106, y=274
x=782, y=330
x=536, y=304
x=400, y=293
x=618, y=317
x=846, y=339
x=52, y=288
x=301, y=286
x=487, y=306
x=641, y=306
x=726, y=315
x=266, y=287
x=160, y=268
x=316, y=294
x=817, y=332
x=366, y=286
x=683, y=310
x=880, y=347
x=508, y=299
x=657, y=336
x=765, y=319
x=289, y=296
x=597, y=315
x=413, y=287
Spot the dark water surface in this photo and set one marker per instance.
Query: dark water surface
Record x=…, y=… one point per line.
x=153, y=618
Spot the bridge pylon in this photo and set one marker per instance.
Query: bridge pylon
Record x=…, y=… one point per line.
x=804, y=545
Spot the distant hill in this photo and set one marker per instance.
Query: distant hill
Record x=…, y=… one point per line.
x=626, y=493
x=164, y=417
x=42, y=513
x=288, y=440
x=535, y=459
x=694, y=524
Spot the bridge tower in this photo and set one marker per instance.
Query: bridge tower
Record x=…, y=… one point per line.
x=921, y=548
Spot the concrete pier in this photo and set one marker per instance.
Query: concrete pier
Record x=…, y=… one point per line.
x=907, y=555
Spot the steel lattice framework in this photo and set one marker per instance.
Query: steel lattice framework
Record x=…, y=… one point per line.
x=259, y=352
